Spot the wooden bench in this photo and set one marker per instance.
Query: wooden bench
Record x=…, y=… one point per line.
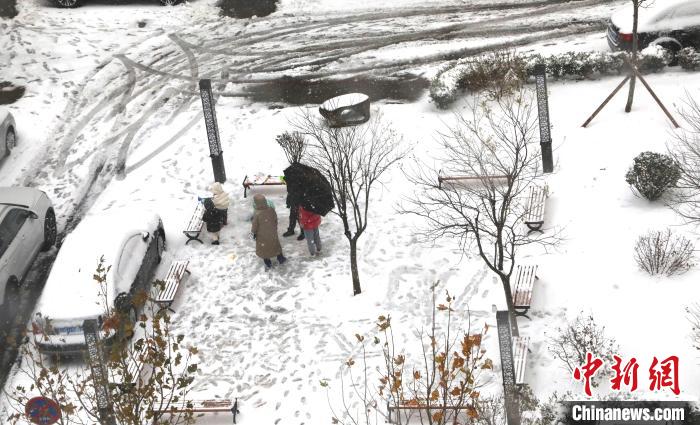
x=202, y=406
x=520, y=347
x=194, y=226
x=134, y=367
x=166, y=295
x=268, y=180
x=465, y=180
x=521, y=288
x=419, y=406
x=534, y=213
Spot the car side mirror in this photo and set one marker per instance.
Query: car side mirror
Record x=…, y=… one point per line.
x=145, y=236
x=32, y=215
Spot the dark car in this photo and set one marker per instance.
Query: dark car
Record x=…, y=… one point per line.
x=76, y=3
x=130, y=244
x=672, y=24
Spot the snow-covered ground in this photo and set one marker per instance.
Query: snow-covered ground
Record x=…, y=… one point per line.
x=106, y=94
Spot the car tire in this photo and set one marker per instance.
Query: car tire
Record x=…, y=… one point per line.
x=67, y=3
x=49, y=230
x=10, y=306
x=10, y=140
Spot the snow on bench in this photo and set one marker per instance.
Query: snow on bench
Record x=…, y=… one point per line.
x=261, y=180
x=171, y=283
x=194, y=226
x=202, y=406
x=534, y=213
x=521, y=289
x=520, y=345
x=347, y=109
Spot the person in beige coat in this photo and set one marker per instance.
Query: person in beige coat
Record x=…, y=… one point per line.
x=264, y=230
x=221, y=200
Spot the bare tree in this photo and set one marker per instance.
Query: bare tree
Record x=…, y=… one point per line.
x=494, y=152
x=439, y=384
x=685, y=151
x=353, y=159
x=636, y=4
x=293, y=144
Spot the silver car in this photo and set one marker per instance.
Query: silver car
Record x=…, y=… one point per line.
x=27, y=226
x=8, y=134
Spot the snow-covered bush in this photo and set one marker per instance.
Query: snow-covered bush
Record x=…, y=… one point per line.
x=247, y=8
x=652, y=173
x=491, y=409
x=609, y=63
x=581, y=336
x=654, y=59
x=444, y=88
x=293, y=144
x=661, y=252
x=688, y=58
x=577, y=65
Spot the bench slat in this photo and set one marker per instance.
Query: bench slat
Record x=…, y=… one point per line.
x=535, y=205
x=195, y=224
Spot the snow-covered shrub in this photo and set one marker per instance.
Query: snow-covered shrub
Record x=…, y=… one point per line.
x=661, y=252
x=652, y=173
x=694, y=318
x=491, y=409
x=654, y=59
x=247, y=8
x=293, y=144
x=609, y=63
x=581, y=336
x=444, y=87
x=688, y=58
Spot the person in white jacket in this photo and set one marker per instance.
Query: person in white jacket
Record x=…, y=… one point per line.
x=221, y=200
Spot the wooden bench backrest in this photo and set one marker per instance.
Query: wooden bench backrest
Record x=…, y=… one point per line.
x=195, y=224
x=523, y=283
x=172, y=280
x=520, y=345
x=535, y=204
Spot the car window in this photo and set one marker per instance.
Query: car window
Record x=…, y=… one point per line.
x=10, y=226
x=129, y=262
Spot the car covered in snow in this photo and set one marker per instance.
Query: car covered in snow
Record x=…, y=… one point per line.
x=27, y=226
x=130, y=245
x=76, y=3
x=8, y=132
x=672, y=24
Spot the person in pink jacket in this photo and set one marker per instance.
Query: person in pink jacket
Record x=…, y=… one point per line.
x=309, y=223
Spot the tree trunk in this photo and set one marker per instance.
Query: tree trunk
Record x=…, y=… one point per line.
x=511, y=307
x=356, y=289
x=633, y=80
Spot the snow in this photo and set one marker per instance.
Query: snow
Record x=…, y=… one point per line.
x=343, y=101
x=71, y=293
x=269, y=339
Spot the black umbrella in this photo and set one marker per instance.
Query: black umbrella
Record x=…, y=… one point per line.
x=308, y=187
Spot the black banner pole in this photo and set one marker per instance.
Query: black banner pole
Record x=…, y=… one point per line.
x=505, y=343
x=216, y=154
x=99, y=372
x=543, y=112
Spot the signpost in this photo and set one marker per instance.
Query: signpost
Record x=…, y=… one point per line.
x=216, y=154
x=42, y=411
x=505, y=343
x=99, y=372
x=543, y=111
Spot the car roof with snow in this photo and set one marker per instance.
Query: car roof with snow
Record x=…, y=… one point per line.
x=71, y=292
x=648, y=14
x=25, y=196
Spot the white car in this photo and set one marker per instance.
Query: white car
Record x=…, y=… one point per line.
x=8, y=132
x=131, y=245
x=27, y=226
